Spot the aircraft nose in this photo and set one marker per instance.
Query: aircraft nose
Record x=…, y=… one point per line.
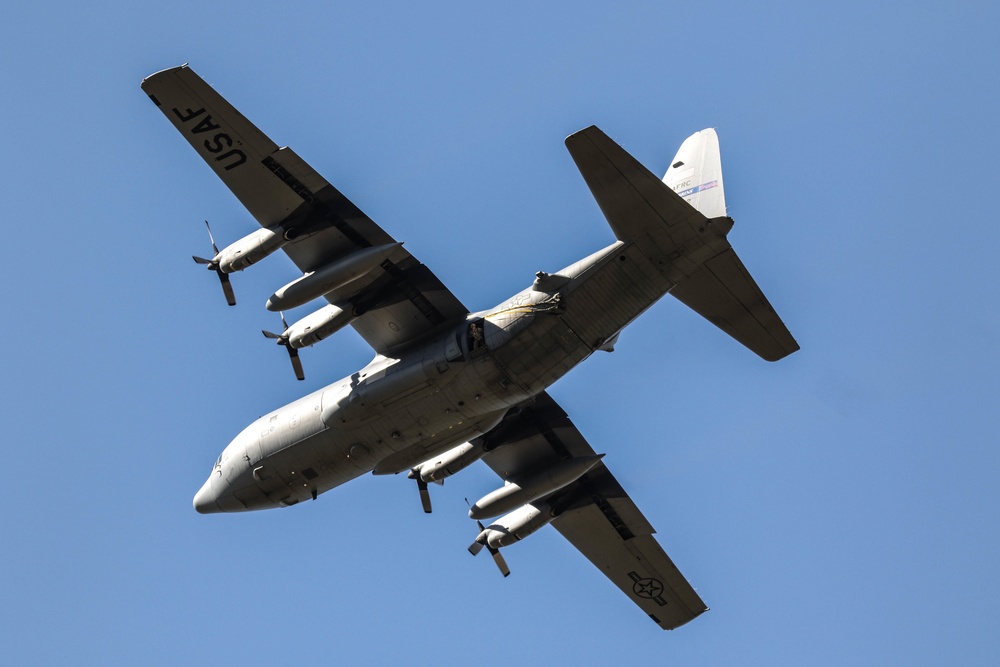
x=204, y=500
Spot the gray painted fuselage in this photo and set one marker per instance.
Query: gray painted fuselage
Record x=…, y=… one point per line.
x=395, y=413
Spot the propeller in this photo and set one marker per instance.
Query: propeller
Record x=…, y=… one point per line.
x=477, y=546
x=227, y=286
x=293, y=354
x=425, y=496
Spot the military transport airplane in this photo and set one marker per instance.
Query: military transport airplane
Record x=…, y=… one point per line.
x=448, y=387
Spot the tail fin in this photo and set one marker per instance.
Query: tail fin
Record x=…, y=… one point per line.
x=684, y=208
x=696, y=174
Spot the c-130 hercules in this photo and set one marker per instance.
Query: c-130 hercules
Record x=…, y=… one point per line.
x=448, y=387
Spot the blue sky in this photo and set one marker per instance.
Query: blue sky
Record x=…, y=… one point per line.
x=838, y=507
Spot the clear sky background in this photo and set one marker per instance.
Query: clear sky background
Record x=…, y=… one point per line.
x=838, y=507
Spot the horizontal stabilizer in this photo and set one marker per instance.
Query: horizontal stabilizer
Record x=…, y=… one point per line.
x=723, y=292
x=634, y=201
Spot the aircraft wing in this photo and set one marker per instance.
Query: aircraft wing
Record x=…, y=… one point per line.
x=596, y=514
x=280, y=189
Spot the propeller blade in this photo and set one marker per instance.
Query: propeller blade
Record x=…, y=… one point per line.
x=476, y=546
x=201, y=260
x=425, y=496
x=293, y=354
x=227, y=287
x=501, y=563
x=278, y=337
x=211, y=238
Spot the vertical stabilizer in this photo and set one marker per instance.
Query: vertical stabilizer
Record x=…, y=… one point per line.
x=696, y=174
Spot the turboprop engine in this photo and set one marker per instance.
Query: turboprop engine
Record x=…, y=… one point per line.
x=510, y=529
x=310, y=330
x=529, y=488
x=239, y=255
x=447, y=464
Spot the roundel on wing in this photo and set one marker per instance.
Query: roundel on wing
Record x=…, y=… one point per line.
x=648, y=588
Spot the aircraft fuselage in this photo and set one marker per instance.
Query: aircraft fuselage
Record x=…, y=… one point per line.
x=396, y=413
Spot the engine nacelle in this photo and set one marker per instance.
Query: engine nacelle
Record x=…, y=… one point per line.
x=516, y=526
x=530, y=488
x=249, y=250
x=314, y=327
x=330, y=277
x=448, y=463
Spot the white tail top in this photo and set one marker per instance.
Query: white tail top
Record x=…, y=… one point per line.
x=696, y=174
